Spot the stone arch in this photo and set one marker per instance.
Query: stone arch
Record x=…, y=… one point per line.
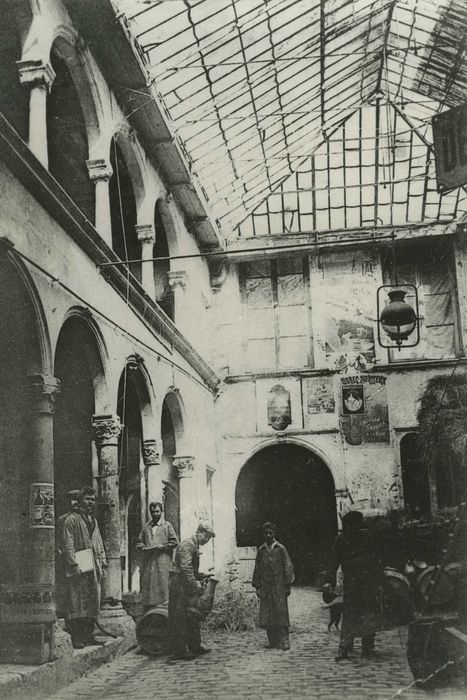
x=134, y=407
x=173, y=443
x=289, y=484
x=80, y=364
x=175, y=405
x=166, y=245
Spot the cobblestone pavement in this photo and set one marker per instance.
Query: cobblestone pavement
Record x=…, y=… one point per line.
x=240, y=667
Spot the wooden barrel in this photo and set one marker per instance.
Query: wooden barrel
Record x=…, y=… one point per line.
x=397, y=599
x=152, y=630
x=443, y=590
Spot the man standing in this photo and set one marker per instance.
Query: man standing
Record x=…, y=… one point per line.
x=85, y=563
x=156, y=543
x=60, y=578
x=272, y=577
x=355, y=553
x=184, y=585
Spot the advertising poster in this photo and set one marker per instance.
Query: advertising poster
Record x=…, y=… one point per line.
x=42, y=513
x=364, y=409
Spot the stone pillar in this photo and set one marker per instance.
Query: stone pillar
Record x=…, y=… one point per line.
x=107, y=429
x=27, y=629
x=100, y=172
x=178, y=281
x=152, y=460
x=185, y=467
x=147, y=237
x=38, y=76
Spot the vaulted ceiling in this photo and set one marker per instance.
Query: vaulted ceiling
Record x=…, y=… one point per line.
x=256, y=87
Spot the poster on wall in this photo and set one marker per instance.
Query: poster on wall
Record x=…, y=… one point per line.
x=41, y=506
x=319, y=395
x=364, y=409
x=279, y=408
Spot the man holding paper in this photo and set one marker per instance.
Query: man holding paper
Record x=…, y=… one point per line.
x=84, y=557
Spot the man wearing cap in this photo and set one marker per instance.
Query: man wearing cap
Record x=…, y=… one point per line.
x=354, y=551
x=184, y=585
x=60, y=579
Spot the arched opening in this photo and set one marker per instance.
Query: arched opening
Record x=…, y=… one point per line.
x=78, y=365
x=291, y=486
x=171, y=431
x=123, y=210
x=14, y=97
x=67, y=136
x=164, y=292
x=133, y=401
x=415, y=482
x=20, y=350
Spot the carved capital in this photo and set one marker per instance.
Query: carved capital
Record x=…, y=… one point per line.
x=151, y=453
x=36, y=74
x=184, y=465
x=178, y=278
x=146, y=233
x=99, y=169
x=42, y=392
x=107, y=430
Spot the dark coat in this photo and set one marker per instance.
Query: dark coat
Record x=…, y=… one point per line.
x=82, y=589
x=356, y=554
x=272, y=577
x=183, y=586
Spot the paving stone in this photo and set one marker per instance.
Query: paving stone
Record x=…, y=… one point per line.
x=240, y=667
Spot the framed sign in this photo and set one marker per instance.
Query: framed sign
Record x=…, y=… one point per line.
x=353, y=400
x=450, y=143
x=41, y=506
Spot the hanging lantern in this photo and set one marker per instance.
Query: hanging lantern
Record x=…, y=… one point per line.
x=398, y=319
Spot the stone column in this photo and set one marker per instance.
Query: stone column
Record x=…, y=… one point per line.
x=38, y=76
x=147, y=237
x=152, y=459
x=100, y=172
x=178, y=281
x=107, y=429
x=185, y=466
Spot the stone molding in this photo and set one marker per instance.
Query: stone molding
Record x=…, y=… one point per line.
x=99, y=169
x=185, y=466
x=178, y=278
x=36, y=73
x=151, y=453
x=146, y=233
x=107, y=430
x=42, y=393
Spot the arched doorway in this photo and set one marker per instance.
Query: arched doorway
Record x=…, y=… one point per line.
x=164, y=292
x=133, y=406
x=291, y=486
x=171, y=433
x=415, y=482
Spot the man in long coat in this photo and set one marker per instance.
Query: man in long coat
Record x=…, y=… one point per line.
x=60, y=578
x=272, y=577
x=354, y=551
x=83, y=586
x=156, y=543
x=184, y=586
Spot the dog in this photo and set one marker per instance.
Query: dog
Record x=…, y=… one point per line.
x=336, y=609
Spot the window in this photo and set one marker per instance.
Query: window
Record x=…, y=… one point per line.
x=274, y=295
x=415, y=482
x=429, y=267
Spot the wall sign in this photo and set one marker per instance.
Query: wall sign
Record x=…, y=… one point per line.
x=279, y=408
x=41, y=506
x=319, y=395
x=450, y=142
x=364, y=409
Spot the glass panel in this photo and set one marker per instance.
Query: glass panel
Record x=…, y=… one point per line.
x=261, y=354
x=292, y=320
x=290, y=290
x=261, y=268
x=293, y=352
x=258, y=292
x=289, y=266
x=260, y=323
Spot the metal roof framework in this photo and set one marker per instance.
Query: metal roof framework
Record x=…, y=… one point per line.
x=262, y=89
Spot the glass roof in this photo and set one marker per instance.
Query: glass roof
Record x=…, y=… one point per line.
x=260, y=89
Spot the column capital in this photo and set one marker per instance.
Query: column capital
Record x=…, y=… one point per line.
x=42, y=392
x=151, y=453
x=178, y=278
x=99, y=169
x=36, y=73
x=146, y=233
x=185, y=465
x=107, y=429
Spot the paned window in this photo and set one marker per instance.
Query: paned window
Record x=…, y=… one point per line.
x=277, y=325
x=430, y=269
